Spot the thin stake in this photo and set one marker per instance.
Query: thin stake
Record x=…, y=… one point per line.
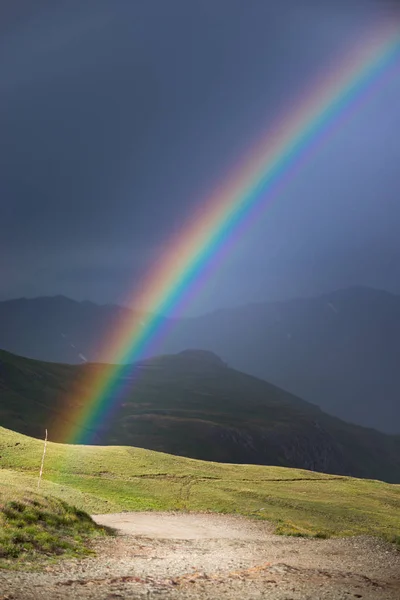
x=41, y=466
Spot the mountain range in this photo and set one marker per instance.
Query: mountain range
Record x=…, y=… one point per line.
x=339, y=351
x=192, y=404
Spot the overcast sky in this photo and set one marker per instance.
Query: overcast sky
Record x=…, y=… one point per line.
x=118, y=117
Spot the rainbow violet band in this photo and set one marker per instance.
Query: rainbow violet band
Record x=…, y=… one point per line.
x=223, y=217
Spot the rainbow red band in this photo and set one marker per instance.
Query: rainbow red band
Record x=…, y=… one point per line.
x=225, y=214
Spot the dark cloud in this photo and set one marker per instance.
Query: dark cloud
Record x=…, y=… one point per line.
x=118, y=118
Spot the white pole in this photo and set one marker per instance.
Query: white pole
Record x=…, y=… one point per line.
x=41, y=466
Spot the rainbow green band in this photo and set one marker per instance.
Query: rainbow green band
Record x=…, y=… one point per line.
x=221, y=218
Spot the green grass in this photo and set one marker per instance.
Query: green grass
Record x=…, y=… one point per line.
x=34, y=525
x=109, y=479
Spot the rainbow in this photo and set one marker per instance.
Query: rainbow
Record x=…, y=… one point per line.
x=224, y=216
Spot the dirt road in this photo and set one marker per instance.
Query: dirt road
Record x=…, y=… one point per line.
x=213, y=557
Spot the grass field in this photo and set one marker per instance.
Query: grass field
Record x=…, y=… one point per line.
x=109, y=479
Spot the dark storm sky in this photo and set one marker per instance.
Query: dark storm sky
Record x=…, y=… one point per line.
x=118, y=117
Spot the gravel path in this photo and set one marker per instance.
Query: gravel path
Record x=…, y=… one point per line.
x=213, y=557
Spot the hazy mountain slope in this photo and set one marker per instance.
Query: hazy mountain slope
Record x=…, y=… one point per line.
x=58, y=328
x=193, y=405
x=339, y=351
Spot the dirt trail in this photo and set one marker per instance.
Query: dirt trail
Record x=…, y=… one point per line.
x=186, y=526
x=213, y=557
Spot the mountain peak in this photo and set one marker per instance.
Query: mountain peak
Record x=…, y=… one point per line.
x=203, y=356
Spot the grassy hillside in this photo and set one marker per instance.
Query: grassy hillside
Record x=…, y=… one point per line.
x=34, y=525
x=193, y=405
x=108, y=479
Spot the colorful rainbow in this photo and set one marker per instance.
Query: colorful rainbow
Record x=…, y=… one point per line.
x=209, y=234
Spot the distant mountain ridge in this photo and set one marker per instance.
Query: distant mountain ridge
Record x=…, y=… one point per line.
x=339, y=350
x=59, y=329
x=192, y=404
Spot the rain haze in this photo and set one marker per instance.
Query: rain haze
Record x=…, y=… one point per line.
x=118, y=119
